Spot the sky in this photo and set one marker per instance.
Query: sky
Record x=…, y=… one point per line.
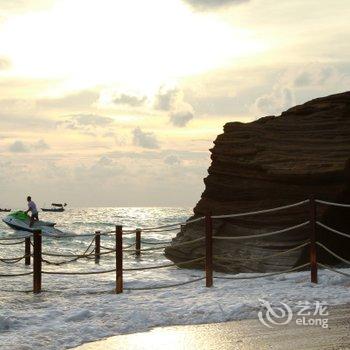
x=117, y=103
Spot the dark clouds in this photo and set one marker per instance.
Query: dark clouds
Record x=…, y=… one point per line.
x=173, y=101
x=144, y=139
x=166, y=99
x=85, y=122
x=181, y=119
x=212, y=4
x=130, y=100
x=21, y=147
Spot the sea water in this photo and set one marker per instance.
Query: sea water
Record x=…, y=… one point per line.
x=76, y=309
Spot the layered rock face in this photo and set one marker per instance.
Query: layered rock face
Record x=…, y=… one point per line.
x=271, y=162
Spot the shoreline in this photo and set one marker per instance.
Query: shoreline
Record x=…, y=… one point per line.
x=245, y=334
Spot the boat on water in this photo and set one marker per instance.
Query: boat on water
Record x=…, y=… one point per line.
x=5, y=210
x=19, y=220
x=56, y=208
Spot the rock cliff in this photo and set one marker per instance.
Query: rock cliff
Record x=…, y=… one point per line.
x=274, y=161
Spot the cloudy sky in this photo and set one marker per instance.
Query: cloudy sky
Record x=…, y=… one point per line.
x=116, y=103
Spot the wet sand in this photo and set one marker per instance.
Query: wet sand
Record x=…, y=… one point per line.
x=243, y=335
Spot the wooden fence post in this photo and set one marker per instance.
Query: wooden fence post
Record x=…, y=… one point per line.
x=27, y=251
x=208, y=250
x=119, y=258
x=37, y=261
x=313, y=239
x=138, y=242
x=97, y=246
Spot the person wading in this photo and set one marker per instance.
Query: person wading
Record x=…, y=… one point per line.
x=34, y=211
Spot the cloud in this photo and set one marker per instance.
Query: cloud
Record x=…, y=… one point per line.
x=78, y=100
x=172, y=100
x=18, y=147
x=85, y=122
x=40, y=145
x=4, y=63
x=172, y=160
x=131, y=100
x=181, y=119
x=144, y=139
x=212, y=4
x=21, y=147
x=278, y=100
x=166, y=99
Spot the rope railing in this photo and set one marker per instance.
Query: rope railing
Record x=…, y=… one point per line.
x=333, y=269
x=263, y=234
x=164, y=266
x=163, y=247
x=154, y=243
x=265, y=274
x=343, y=205
x=14, y=243
x=93, y=251
x=77, y=273
x=17, y=274
x=264, y=211
x=166, y=286
x=13, y=238
x=218, y=257
x=332, y=229
x=332, y=253
x=14, y=260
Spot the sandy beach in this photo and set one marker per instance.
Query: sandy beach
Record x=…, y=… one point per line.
x=245, y=334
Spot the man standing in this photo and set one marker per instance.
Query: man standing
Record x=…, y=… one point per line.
x=32, y=208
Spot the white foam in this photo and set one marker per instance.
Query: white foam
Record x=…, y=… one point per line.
x=73, y=316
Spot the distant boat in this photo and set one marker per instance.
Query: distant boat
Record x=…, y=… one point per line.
x=5, y=210
x=56, y=208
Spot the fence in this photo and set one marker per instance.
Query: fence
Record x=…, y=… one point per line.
x=33, y=248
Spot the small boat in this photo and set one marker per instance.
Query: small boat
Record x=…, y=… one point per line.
x=5, y=210
x=56, y=208
x=19, y=220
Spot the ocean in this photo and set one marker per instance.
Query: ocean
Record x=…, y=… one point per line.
x=76, y=309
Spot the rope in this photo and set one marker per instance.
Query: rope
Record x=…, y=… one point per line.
x=260, y=211
x=332, y=229
x=270, y=256
x=159, y=248
x=73, y=236
x=265, y=275
x=334, y=270
x=343, y=205
x=187, y=242
x=17, y=274
x=14, y=238
x=159, y=227
x=76, y=257
x=77, y=273
x=13, y=260
x=167, y=286
x=154, y=243
x=332, y=253
x=194, y=220
x=160, y=231
x=14, y=243
x=162, y=266
x=144, y=249
x=264, y=234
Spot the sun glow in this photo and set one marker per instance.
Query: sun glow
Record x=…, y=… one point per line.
x=132, y=44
